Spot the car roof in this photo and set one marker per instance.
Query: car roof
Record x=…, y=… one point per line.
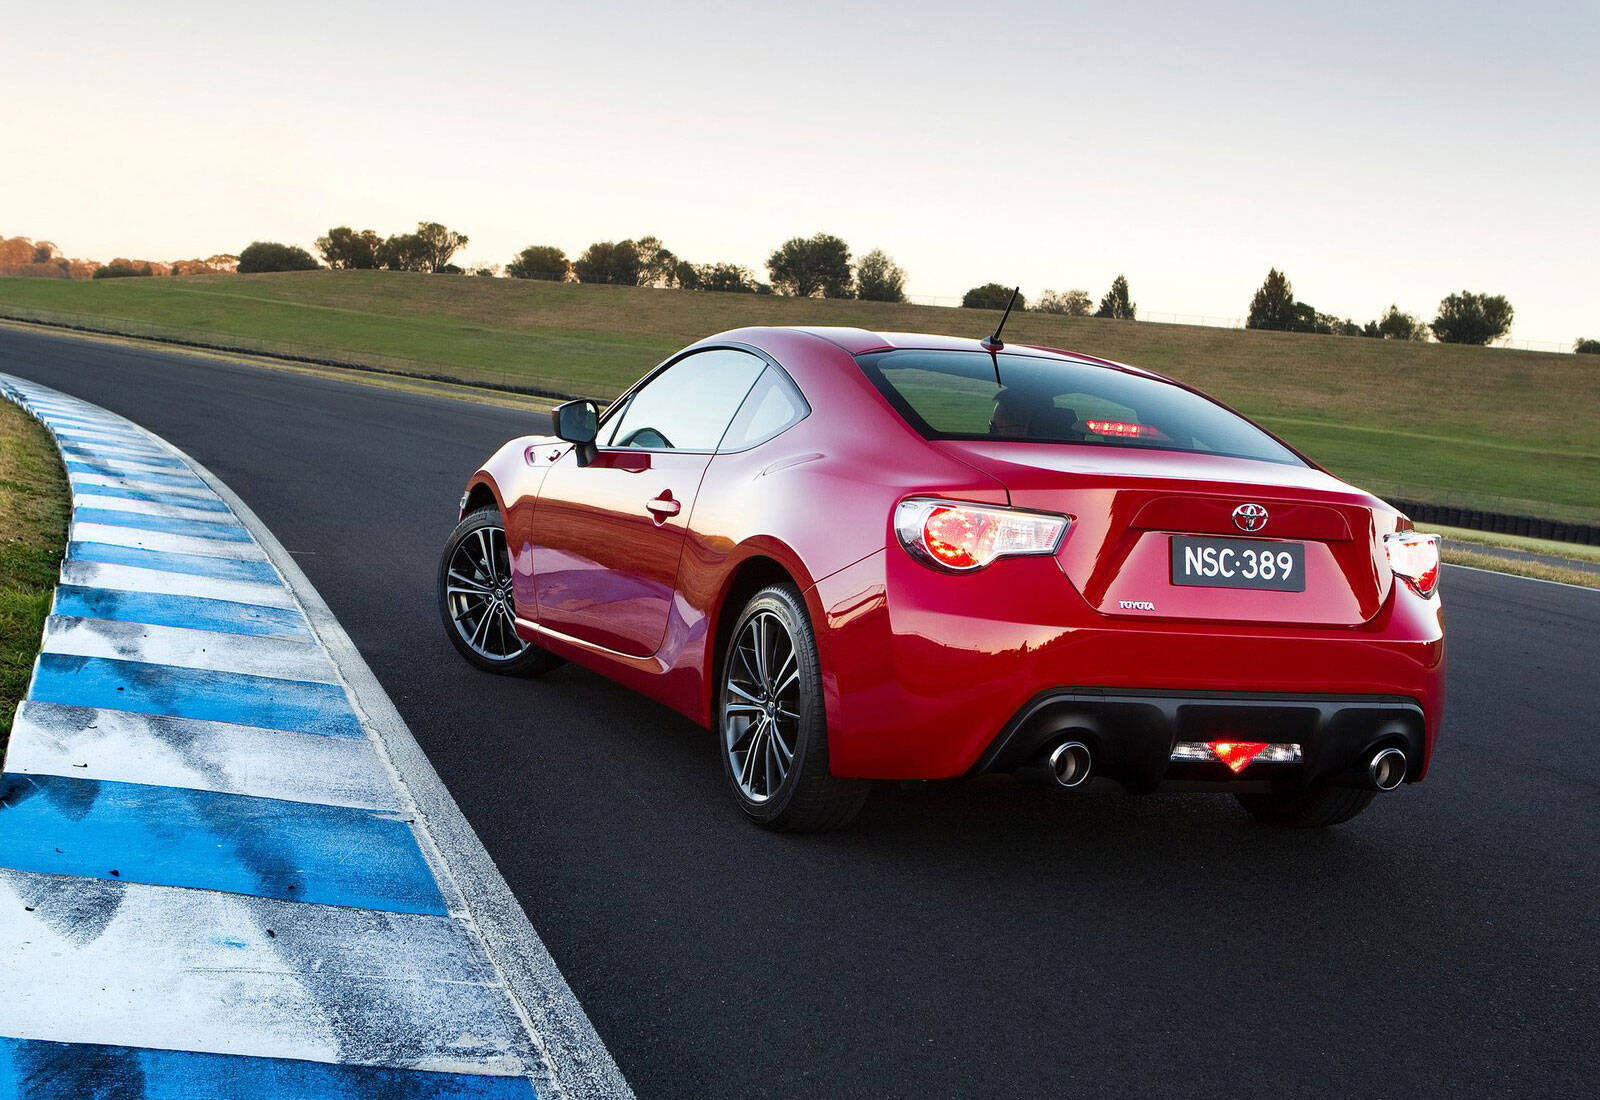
x=860, y=341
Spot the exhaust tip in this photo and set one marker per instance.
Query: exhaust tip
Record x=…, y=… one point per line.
x=1387, y=769
x=1070, y=764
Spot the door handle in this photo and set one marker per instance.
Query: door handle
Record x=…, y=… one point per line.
x=663, y=507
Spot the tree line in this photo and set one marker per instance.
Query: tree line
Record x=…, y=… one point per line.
x=1463, y=318
x=818, y=266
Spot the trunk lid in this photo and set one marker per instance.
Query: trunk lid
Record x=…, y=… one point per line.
x=1127, y=505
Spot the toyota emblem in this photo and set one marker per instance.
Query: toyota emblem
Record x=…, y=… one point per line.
x=1250, y=517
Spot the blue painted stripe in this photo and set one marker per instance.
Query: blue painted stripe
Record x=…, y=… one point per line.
x=172, y=692
x=194, y=565
x=190, y=612
x=229, y=532
x=235, y=843
x=133, y=475
x=84, y=453
x=36, y=1068
x=104, y=433
x=154, y=496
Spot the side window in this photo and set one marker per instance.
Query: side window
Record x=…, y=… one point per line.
x=774, y=405
x=687, y=407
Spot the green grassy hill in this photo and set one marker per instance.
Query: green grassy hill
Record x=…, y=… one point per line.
x=1481, y=427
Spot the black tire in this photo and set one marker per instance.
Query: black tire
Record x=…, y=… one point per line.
x=1317, y=808
x=807, y=797
x=480, y=626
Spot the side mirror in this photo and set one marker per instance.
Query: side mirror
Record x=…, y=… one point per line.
x=577, y=422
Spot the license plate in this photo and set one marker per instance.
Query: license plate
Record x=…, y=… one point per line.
x=1239, y=563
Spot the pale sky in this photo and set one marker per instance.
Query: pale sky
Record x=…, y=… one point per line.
x=1377, y=152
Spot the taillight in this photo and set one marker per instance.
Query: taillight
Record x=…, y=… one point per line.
x=1414, y=557
x=965, y=537
x=1115, y=427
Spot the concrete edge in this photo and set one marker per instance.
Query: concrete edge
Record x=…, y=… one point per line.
x=580, y=1065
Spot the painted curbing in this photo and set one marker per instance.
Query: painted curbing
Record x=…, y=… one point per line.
x=200, y=753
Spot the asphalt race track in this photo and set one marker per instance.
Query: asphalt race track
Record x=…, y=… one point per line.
x=966, y=939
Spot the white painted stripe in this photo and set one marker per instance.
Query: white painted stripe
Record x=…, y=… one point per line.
x=103, y=435
x=173, y=510
x=115, y=745
x=256, y=655
x=156, y=966
x=81, y=483
x=165, y=540
x=134, y=469
x=68, y=423
x=131, y=578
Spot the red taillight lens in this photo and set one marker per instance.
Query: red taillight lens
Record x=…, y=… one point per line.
x=964, y=537
x=1115, y=428
x=1237, y=754
x=1415, y=558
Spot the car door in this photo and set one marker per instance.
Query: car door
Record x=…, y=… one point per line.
x=607, y=537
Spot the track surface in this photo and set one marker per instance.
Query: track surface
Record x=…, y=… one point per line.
x=969, y=939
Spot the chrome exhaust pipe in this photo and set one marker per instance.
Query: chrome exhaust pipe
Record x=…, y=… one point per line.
x=1070, y=764
x=1387, y=769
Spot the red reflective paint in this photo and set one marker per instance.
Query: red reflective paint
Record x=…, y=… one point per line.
x=922, y=668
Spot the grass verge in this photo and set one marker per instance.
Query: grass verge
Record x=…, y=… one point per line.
x=1491, y=428
x=1536, y=569
x=34, y=507
x=1572, y=550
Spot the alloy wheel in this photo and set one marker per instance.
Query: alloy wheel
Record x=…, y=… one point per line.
x=761, y=706
x=478, y=592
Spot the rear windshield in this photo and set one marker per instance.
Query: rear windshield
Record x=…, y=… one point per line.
x=1030, y=399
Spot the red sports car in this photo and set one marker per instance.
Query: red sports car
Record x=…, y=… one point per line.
x=859, y=556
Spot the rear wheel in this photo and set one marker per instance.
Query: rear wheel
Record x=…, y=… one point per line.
x=1316, y=808
x=772, y=723
x=476, y=601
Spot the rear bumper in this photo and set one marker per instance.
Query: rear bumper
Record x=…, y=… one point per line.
x=928, y=676
x=1132, y=735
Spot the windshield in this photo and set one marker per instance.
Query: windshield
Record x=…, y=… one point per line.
x=955, y=395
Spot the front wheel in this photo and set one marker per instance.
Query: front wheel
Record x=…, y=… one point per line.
x=772, y=723
x=476, y=601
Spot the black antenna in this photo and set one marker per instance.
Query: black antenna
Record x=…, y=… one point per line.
x=994, y=343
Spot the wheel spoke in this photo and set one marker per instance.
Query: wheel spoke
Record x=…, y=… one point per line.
x=503, y=631
x=785, y=753
x=760, y=625
x=770, y=765
x=468, y=584
x=468, y=609
x=744, y=735
x=749, y=669
x=792, y=678
x=743, y=694
x=747, y=772
x=488, y=554
x=477, y=628
x=783, y=670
